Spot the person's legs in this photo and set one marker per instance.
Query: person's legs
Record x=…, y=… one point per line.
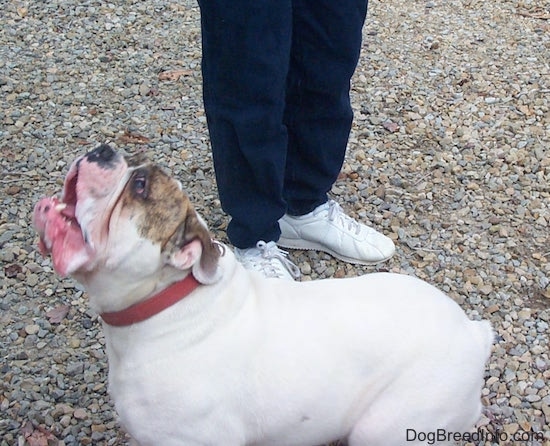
x=276, y=93
x=326, y=44
x=246, y=47
x=325, y=50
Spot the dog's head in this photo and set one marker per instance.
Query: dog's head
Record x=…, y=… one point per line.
x=123, y=217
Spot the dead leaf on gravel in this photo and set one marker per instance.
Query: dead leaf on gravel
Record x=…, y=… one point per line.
x=57, y=314
x=133, y=138
x=173, y=75
x=12, y=270
x=390, y=126
x=38, y=436
x=7, y=153
x=83, y=142
x=535, y=13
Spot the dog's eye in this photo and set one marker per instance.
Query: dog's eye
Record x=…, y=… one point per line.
x=139, y=185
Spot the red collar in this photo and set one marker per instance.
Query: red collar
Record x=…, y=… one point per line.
x=153, y=305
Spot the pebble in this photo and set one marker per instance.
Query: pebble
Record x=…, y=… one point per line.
x=32, y=329
x=448, y=155
x=80, y=414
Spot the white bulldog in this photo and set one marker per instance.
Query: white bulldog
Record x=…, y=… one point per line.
x=203, y=352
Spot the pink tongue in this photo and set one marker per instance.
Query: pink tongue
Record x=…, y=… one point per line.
x=60, y=236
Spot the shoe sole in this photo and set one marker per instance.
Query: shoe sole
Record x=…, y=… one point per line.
x=313, y=246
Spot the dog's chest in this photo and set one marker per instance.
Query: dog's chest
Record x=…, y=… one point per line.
x=176, y=386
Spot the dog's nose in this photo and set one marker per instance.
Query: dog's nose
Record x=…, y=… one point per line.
x=102, y=155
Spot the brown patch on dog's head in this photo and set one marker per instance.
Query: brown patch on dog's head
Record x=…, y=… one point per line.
x=165, y=216
x=137, y=159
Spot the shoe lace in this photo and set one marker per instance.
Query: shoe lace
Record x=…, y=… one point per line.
x=270, y=252
x=336, y=214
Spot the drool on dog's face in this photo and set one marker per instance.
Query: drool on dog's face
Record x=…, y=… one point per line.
x=124, y=216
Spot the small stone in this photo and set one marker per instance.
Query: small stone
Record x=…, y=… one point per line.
x=305, y=268
x=511, y=428
x=32, y=329
x=80, y=414
x=87, y=323
x=98, y=428
x=22, y=310
x=541, y=364
x=32, y=280
x=486, y=289
x=75, y=369
x=65, y=421
x=381, y=192
x=144, y=89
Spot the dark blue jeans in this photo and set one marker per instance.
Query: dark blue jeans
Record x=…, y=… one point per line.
x=276, y=82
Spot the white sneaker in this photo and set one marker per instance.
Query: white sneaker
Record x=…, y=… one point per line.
x=328, y=229
x=269, y=260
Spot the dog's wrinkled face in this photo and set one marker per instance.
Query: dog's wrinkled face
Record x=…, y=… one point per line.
x=122, y=215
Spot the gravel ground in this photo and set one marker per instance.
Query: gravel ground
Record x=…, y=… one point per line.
x=449, y=155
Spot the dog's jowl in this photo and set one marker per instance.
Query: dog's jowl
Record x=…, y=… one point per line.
x=203, y=352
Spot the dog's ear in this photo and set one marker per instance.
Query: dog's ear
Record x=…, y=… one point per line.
x=192, y=247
